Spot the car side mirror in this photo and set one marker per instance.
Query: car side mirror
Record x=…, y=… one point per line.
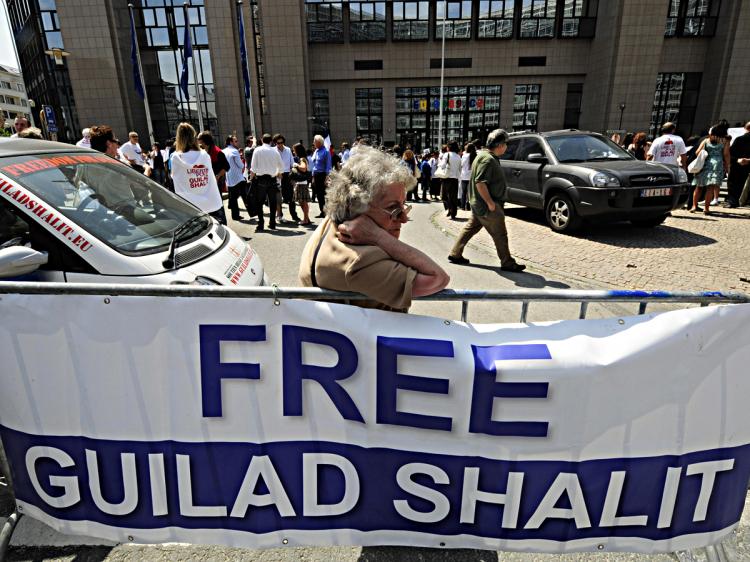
x=537, y=158
x=20, y=260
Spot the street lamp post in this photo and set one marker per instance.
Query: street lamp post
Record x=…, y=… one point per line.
x=622, y=110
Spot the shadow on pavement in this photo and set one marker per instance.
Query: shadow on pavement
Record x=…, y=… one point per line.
x=627, y=236
x=624, y=234
x=524, y=278
x=68, y=553
x=410, y=554
x=716, y=213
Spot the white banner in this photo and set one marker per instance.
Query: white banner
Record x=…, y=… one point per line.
x=242, y=423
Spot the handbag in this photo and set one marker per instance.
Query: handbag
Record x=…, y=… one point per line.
x=697, y=165
x=442, y=169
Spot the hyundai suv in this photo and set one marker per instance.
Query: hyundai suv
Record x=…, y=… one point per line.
x=576, y=176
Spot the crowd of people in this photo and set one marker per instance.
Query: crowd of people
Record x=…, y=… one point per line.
x=363, y=193
x=708, y=159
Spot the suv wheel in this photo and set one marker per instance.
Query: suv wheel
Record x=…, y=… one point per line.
x=649, y=222
x=561, y=215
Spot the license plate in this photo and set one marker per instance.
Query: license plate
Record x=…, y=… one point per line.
x=656, y=192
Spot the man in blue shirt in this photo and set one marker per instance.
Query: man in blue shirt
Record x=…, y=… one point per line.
x=321, y=167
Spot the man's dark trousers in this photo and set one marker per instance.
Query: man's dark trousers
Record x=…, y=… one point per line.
x=449, y=187
x=236, y=192
x=319, y=189
x=287, y=195
x=266, y=188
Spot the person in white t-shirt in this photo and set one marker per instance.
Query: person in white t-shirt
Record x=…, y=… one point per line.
x=192, y=174
x=85, y=141
x=467, y=159
x=668, y=148
x=450, y=162
x=132, y=152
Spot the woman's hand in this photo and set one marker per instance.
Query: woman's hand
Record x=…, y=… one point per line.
x=361, y=230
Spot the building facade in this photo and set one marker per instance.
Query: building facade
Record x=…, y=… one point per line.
x=37, y=32
x=372, y=68
x=13, y=100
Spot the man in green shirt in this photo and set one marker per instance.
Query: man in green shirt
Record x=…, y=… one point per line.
x=486, y=196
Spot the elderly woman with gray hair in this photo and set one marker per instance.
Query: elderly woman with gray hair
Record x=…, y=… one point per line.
x=357, y=247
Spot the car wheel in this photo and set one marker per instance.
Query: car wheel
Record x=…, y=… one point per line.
x=561, y=214
x=649, y=222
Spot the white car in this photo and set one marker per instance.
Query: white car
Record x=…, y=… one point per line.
x=75, y=215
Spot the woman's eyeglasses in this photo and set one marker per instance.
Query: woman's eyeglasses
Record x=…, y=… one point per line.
x=396, y=213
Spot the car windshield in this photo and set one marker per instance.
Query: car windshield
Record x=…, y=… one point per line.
x=586, y=148
x=112, y=201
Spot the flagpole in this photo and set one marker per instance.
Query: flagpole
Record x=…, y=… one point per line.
x=442, y=79
x=143, y=83
x=249, y=98
x=195, y=69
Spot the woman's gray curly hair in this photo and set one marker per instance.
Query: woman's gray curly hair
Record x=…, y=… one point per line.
x=361, y=180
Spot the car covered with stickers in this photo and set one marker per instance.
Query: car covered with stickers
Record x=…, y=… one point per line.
x=70, y=214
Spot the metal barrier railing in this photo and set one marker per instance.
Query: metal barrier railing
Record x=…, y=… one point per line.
x=524, y=296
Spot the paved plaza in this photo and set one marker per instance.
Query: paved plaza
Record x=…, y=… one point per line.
x=689, y=252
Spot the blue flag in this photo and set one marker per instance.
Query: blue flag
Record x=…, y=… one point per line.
x=187, y=52
x=134, y=59
x=243, y=52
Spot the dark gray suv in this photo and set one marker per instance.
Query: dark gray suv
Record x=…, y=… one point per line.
x=575, y=176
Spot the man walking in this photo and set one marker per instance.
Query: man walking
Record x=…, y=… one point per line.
x=668, y=148
x=739, y=168
x=321, y=167
x=265, y=169
x=287, y=190
x=486, y=196
x=236, y=183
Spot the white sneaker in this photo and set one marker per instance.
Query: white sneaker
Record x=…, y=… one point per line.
x=715, y=202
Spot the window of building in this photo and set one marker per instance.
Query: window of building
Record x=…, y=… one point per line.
x=20, y=87
x=526, y=107
x=50, y=24
x=163, y=25
x=692, y=18
x=24, y=102
x=5, y=85
x=538, y=18
x=573, y=106
x=578, y=18
x=451, y=62
x=675, y=100
x=457, y=23
x=369, y=113
x=410, y=21
x=325, y=21
x=321, y=111
x=367, y=21
x=469, y=112
x=496, y=19
x=368, y=64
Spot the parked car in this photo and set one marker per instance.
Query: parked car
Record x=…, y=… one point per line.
x=75, y=215
x=576, y=176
